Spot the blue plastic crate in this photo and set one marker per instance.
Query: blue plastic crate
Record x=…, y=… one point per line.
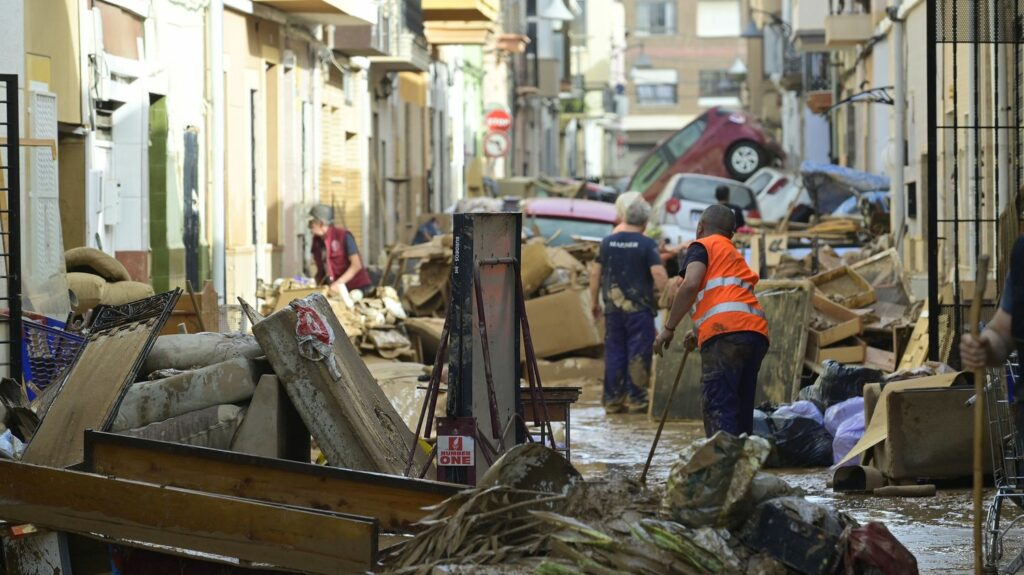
x=46, y=354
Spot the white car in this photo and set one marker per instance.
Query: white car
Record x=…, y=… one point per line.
x=678, y=207
x=776, y=193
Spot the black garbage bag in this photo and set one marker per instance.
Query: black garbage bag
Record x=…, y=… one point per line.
x=798, y=442
x=804, y=536
x=838, y=382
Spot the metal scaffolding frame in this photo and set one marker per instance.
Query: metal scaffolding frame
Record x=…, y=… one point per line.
x=10, y=229
x=984, y=119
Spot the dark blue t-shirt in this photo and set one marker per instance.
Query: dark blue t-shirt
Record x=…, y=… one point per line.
x=626, y=259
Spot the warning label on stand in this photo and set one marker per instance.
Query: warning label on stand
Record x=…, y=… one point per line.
x=455, y=450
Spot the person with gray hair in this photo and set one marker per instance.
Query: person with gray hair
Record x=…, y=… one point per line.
x=627, y=272
x=729, y=326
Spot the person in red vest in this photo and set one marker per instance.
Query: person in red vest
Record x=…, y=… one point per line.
x=730, y=328
x=334, y=250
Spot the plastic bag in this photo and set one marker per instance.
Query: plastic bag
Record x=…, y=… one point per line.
x=872, y=549
x=801, y=409
x=847, y=436
x=840, y=412
x=761, y=427
x=839, y=382
x=709, y=486
x=799, y=442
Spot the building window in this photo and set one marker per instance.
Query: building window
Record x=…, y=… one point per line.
x=656, y=87
x=655, y=18
x=656, y=94
x=718, y=18
x=719, y=84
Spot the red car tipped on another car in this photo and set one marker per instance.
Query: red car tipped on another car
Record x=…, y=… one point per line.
x=720, y=142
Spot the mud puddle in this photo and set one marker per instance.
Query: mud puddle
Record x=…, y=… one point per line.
x=937, y=530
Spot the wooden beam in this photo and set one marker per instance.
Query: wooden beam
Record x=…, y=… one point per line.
x=396, y=502
x=297, y=539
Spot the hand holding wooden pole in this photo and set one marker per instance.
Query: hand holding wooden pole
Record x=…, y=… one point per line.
x=979, y=410
x=664, y=416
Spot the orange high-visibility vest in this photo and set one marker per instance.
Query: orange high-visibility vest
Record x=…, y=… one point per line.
x=726, y=301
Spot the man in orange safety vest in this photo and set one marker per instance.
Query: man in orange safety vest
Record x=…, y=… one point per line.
x=717, y=288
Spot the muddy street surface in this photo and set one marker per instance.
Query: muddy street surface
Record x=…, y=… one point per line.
x=937, y=530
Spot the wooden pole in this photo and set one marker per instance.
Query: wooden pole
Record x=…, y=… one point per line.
x=195, y=306
x=979, y=411
x=664, y=416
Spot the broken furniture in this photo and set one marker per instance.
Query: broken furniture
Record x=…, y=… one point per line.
x=395, y=502
x=300, y=539
x=558, y=402
x=197, y=311
x=845, y=287
x=114, y=351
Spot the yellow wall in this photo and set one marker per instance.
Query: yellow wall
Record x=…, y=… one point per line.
x=52, y=33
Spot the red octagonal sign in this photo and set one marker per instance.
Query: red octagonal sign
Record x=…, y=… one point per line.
x=498, y=120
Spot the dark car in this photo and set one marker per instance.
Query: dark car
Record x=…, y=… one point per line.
x=721, y=142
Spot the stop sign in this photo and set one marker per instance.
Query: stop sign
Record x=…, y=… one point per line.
x=498, y=120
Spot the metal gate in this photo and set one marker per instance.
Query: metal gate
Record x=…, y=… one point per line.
x=10, y=229
x=975, y=148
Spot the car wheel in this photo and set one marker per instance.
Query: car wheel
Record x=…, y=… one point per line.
x=743, y=159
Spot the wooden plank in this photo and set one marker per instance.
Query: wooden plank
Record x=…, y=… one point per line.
x=90, y=393
x=396, y=502
x=787, y=306
x=299, y=539
x=353, y=422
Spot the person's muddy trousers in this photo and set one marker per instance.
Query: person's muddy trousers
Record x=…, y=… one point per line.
x=628, y=350
x=729, y=366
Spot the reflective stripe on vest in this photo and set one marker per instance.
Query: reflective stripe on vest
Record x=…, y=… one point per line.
x=717, y=283
x=726, y=308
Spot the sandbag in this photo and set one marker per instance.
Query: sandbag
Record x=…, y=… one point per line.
x=847, y=436
x=709, y=486
x=121, y=293
x=192, y=351
x=213, y=427
x=840, y=412
x=147, y=402
x=799, y=442
x=96, y=262
x=88, y=289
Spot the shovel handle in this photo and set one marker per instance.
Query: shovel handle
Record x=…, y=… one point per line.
x=664, y=416
x=979, y=411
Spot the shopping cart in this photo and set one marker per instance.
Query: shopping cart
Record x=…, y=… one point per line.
x=1007, y=450
x=47, y=353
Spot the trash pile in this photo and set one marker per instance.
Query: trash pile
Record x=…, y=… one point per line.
x=717, y=514
x=373, y=324
x=554, y=280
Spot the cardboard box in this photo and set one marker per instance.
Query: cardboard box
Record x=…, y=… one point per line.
x=850, y=351
x=845, y=286
x=846, y=323
x=536, y=268
x=922, y=446
x=562, y=323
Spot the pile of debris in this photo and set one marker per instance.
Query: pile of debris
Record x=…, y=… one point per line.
x=555, y=281
x=718, y=513
x=373, y=324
